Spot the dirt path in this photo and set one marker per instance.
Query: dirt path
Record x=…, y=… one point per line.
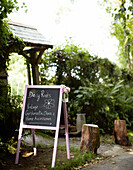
x=110, y=156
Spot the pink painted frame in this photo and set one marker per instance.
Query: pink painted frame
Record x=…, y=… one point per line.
x=44, y=127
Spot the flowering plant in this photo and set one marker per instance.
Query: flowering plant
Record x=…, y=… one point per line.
x=65, y=91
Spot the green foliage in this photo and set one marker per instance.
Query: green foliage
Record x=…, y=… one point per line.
x=10, y=107
x=130, y=136
x=125, y=37
x=6, y=148
x=122, y=30
x=10, y=111
x=122, y=13
x=71, y=64
x=9, y=146
x=44, y=133
x=8, y=43
x=98, y=88
x=107, y=139
x=104, y=102
x=17, y=75
x=6, y=7
x=78, y=160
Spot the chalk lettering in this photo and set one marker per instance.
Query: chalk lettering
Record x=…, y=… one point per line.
x=27, y=113
x=31, y=106
x=29, y=119
x=38, y=97
x=42, y=118
x=45, y=95
x=39, y=113
x=31, y=94
x=48, y=113
x=41, y=106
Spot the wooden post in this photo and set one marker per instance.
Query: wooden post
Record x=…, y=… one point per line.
x=35, y=71
x=90, y=139
x=34, y=60
x=28, y=72
x=120, y=132
x=34, y=142
x=66, y=129
x=19, y=142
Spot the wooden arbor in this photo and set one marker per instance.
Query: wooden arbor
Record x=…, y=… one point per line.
x=36, y=44
x=33, y=57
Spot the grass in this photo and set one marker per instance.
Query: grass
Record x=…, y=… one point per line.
x=78, y=159
x=108, y=139
x=43, y=134
x=130, y=136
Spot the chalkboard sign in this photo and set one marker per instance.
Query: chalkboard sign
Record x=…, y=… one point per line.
x=42, y=110
x=41, y=106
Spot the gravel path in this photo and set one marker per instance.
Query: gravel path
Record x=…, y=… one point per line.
x=114, y=157
x=117, y=158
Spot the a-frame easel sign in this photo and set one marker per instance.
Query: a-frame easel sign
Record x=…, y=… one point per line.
x=42, y=110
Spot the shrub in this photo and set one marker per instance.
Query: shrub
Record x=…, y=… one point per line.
x=10, y=111
x=98, y=87
x=104, y=102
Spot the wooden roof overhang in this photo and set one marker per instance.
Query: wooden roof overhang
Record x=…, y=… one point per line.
x=36, y=44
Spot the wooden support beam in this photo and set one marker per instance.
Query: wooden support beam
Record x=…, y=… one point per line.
x=28, y=72
x=25, y=54
x=34, y=60
x=39, y=56
x=35, y=71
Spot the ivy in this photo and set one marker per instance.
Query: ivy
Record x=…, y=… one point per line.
x=6, y=37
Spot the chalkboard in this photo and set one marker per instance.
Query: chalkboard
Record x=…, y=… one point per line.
x=41, y=106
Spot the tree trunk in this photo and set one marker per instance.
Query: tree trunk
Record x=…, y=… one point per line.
x=120, y=132
x=90, y=139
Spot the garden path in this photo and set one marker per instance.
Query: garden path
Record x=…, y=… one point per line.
x=110, y=156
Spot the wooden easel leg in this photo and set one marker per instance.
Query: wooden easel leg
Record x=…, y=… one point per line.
x=18, y=146
x=34, y=142
x=55, y=148
x=66, y=129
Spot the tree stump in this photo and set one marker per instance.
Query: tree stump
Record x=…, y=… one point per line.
x=90, y=139
x=120, y=132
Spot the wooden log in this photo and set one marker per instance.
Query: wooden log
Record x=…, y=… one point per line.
x=90, y=139
x=120, y=132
